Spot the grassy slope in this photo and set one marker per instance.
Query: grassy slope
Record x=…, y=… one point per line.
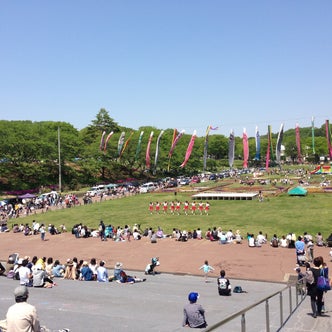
x=277, y=214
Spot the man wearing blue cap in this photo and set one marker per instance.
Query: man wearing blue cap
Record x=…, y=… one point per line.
x=193, y=313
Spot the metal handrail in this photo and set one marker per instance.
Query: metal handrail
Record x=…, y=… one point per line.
x=243, y=312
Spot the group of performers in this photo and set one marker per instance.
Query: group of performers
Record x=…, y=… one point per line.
x=175, y=207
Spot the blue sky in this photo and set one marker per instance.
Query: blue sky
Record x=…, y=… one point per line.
x=182, y=64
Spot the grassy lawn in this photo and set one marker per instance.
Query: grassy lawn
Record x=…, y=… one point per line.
x=276, y=214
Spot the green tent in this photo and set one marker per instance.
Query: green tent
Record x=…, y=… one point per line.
x=297, y=191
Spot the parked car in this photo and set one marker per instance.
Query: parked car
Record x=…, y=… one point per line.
x=147, y=187
x=96, y=190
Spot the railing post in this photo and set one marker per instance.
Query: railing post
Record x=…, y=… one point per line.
x=290, y=299
x=281, y=309
x=243, y=322
x=267, y=314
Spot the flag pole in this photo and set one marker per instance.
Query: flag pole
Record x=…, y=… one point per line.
x=59, y=159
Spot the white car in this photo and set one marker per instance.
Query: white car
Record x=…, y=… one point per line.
x=147, y=187
x=96, y=191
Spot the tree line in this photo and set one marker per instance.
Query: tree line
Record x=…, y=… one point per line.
x=29, y=153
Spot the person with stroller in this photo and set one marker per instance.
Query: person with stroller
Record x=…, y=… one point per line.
x=151, y=266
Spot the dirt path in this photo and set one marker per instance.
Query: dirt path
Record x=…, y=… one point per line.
x=240, y=261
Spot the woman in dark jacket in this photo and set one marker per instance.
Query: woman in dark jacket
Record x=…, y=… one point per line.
x=316, y=295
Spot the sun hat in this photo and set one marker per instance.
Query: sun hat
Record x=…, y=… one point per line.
x=118, y=265
x=193, y=296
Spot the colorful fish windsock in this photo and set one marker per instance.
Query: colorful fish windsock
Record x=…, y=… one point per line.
x=189, y=149
x=147, y=154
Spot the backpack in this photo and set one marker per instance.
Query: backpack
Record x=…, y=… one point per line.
x=309, y=277
x=238, y=289
x=322, y=282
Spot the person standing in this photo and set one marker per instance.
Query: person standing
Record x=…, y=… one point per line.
x=22, y=316
x=101, y=229
x=42, y=232
x=193, y=313
x=316, y=295
x=206, y=269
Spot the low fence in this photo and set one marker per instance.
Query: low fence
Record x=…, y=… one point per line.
x=285, y=302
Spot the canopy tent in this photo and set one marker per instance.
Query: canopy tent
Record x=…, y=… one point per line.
x=27, y=196
x=297, y=191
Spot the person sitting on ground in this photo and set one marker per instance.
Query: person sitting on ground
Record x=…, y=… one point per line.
x=319, y=240
x=102, y=274
x=22, y=316
x=261, y=239
x=238, y=237
x=58, y=269
x=274, y=241
x=193, y=313
x=40, y=278
x=251, y=240
x=70, y=270
x=283, y=242
x=224, y=285
x=25, y=274
x=93, y=266
x=122, y=277
x=151, y=266
x=86, y=273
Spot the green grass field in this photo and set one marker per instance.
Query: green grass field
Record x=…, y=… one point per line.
x=276, y=214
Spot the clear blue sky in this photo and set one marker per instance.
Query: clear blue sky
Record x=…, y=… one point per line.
x=181, y=64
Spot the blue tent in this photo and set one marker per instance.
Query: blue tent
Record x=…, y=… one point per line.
x=297, y=191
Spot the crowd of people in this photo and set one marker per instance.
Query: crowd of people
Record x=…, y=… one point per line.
x=42, y=272
x=177, y=207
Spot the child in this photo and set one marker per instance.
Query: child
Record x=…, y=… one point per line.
x=206, y=269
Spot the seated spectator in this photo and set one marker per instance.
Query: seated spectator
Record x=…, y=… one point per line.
x=319, y=239
x=238, y=237
x=86, y=273
x=58, y=269
x=283, y=242
x=40, y=278
x=224, y=285
x=124, y=278
x=93, y=266
x=24, y=272
x=222, y=238
x=274, y=241
x=261, y=239
x=102, y=274
x=70, y=270
x=251, y=240
x=117, y=271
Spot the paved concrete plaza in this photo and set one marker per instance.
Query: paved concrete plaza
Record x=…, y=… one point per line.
x=155, y=305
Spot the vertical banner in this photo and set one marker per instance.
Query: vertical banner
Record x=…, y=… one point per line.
x=267, y=161
x=279, y=142
x=298, y=143
x=147, y=154
x=313, y=135
x=157, y=151
x=138, y=149
x=120, y=142
x=189, y=149
x=245, y=148
x=258, y=145
x=328, y=138
x=231, y=149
